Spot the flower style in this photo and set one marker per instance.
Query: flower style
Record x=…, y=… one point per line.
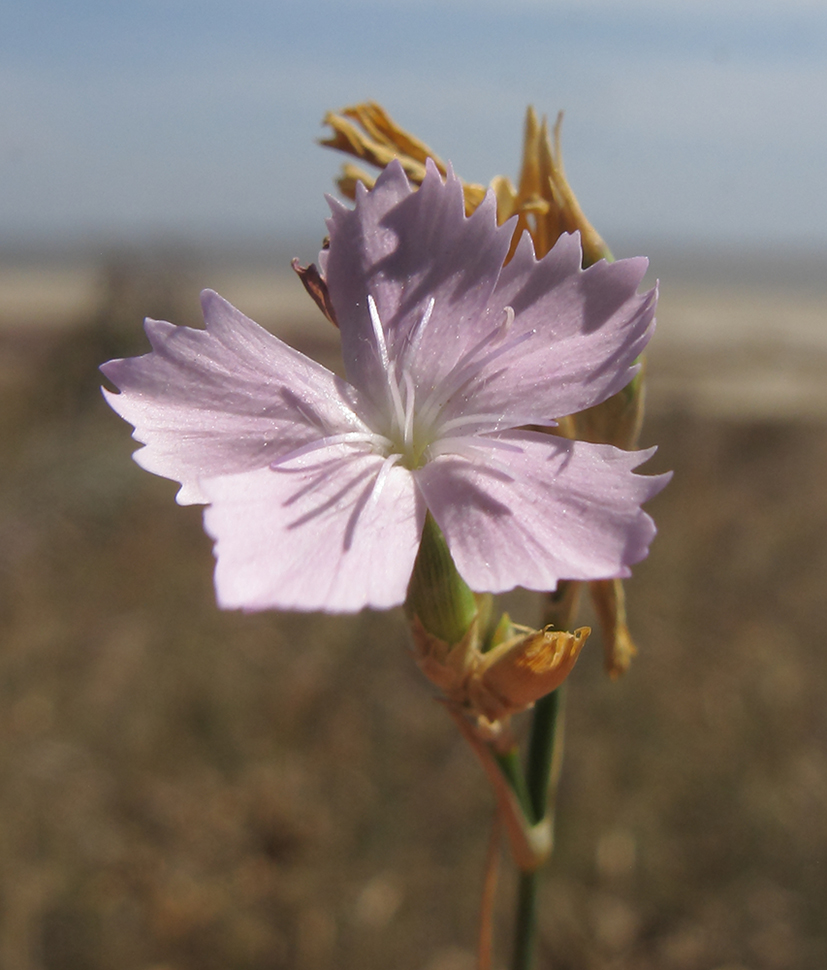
x=317, y=487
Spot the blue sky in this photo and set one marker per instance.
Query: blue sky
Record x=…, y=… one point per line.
x=690, y=121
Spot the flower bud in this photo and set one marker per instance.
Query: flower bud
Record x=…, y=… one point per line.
x=437, y=594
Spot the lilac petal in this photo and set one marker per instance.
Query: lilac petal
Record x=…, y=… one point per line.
x=224, y=400
x=406, y=249
x=337, y=533
x=544, y=510
x=572, y=342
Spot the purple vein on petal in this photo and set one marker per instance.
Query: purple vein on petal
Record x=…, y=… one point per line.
x=332, y=502
x=347, y=437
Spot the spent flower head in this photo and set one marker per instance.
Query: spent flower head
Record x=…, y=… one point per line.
x=543, y=202
x=317, y=487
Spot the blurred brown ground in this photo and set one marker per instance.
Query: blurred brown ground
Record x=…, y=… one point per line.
x=189, y=790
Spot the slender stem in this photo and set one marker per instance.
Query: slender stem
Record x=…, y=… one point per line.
x=489, y=892
x=542, y=765
x=525, y=929
x=545, y=750
x=542, y=769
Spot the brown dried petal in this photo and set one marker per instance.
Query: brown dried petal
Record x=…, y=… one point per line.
x=521, y=671
x=369, y=133
x=347, y=137
x=384, y=130
x=446, y=665
x=610, y=605
x=316, y=287
x=544, y=201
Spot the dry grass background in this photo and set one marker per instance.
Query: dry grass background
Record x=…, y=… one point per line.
x=189, y=790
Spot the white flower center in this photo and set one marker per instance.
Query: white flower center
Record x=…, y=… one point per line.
x=402, y=436
x=414, y=432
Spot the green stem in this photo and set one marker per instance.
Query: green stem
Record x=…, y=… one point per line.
x=525, y=928
x=545, y=752
x=542, y=771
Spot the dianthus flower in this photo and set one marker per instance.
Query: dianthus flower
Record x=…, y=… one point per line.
x=317, y=487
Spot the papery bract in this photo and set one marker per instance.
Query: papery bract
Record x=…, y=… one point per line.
x=317, y=487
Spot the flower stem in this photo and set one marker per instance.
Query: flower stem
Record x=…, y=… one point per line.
x=485, y=943
x=525, y=928
x=542, y=770
x=544, y=760
x=544, y=753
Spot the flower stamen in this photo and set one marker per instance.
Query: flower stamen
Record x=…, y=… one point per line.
x=379, y=333
x=410, y=398
x=381, y=344
x=479, y=455
x=468, y=369
x=379, y=482
x=414, y=338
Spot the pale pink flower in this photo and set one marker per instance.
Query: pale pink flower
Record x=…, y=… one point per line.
x=317, y=487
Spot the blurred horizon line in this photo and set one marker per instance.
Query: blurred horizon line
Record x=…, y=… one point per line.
x=689, y=261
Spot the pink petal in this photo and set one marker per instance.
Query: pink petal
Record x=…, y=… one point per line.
x=574, y=338
x=323, y=536
x=528, y=509
x=406, y=248
x=571, y=344
x=227, y=399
